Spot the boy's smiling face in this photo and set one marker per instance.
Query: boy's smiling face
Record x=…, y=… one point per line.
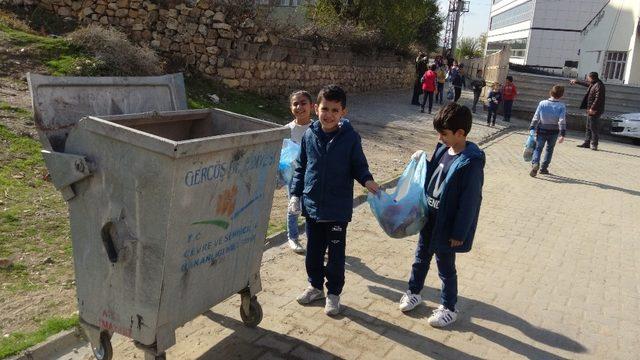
x=330, y=112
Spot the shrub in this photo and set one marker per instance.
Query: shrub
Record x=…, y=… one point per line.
x=113, y=53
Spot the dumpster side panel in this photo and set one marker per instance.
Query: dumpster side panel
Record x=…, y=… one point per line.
x=220, y=215
x=118, y=227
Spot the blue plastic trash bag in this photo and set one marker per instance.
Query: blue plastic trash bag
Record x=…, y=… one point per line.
x=286, y=167
x=403, y=213
x=529, y=145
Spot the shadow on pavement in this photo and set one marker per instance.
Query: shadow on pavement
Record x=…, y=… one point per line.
x=403, y=336
x=567, y=180
x=473, y=308
x=252, y=343
x=618, y=153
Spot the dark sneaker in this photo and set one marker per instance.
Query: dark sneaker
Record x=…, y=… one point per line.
x=544, y=171
x=594, y=148
x=534, y=170
x=584, y=145
x=422, y=110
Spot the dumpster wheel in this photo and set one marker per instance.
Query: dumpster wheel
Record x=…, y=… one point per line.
x=105, y=351
x=254, y=317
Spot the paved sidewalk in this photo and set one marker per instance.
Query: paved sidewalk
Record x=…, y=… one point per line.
x=554, y=274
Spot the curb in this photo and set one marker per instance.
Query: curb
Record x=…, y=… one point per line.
x=55, y=344
x=63, y=341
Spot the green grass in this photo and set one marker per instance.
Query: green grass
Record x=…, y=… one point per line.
x=266, y=108
x=16, y=110
x=19, y=341
x=60, y=56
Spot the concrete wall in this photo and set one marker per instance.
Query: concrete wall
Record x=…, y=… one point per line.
x=534, y=88
x=613, y=29
x=238, y=52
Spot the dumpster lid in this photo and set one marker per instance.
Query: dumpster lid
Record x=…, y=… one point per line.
x=60, y=102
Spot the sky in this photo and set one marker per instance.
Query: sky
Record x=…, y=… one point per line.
x=476, y=21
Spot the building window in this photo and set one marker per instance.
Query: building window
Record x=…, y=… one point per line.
x=614, y=64
x=518, y=14
x=518, y=47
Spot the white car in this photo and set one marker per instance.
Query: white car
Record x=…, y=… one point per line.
x=627, y=125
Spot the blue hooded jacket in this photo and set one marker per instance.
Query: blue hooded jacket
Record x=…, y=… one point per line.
x=460, y=200
x=324, y=175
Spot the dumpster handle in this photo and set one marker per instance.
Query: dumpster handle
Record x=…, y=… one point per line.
x=107, y=241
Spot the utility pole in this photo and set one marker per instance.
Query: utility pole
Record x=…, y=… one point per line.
x=456, y=8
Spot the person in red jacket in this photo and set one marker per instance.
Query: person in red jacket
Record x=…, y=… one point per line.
x=429, y=87
x=509, y=93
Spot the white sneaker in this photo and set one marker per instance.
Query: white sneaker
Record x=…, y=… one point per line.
x=332, y=306
x=409, y=301
x=310, y=295
x=442, y=317
x=294, y=244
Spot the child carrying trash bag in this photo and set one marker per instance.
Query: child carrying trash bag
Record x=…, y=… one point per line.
x=403, y=213
x=286, y=166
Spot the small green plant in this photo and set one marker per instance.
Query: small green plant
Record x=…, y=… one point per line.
x=19, y=341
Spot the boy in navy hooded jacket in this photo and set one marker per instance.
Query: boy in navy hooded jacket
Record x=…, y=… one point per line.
x=331, y=157
x=454, y=195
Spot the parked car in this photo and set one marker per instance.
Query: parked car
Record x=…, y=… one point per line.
x=627, y=125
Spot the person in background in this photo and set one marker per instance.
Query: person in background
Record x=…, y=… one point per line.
x=422, y=64
x=548, y=121
x=300, y=104
x=429, y=87
x=509, y=93
x=477, y=85
x=593, y=102
x=441, y=72
x=493, y=100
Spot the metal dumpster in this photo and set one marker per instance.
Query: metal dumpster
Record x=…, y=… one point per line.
x=168, y=212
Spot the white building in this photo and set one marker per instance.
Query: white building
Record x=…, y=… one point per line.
x=610, y=43
x=542, y=33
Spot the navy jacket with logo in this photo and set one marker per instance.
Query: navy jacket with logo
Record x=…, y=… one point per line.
x=460, y=200
x=324, y=176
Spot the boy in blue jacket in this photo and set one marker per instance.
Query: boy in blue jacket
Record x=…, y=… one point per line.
x=331, y=157
x=454, y=194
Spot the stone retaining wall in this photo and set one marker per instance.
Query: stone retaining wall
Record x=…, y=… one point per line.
x=240, y=53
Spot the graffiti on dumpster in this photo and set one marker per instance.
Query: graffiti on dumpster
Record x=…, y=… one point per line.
x=221, y=171
x=214, y=250
x=107, y=319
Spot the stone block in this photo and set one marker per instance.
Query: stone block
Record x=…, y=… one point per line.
x=150, y=6
x=120, y=13
x=202, y=29
x=213, y=50
x=137, y=27
x=210, y=70
x=231, y=83
x=87, y=11
x=122, y=3
x=221, y=26
x=219, y=17
x=104, y=20
x=64, y=11
x=227, y=72
x=172, y=24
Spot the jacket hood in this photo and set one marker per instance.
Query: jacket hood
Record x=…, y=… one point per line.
x=470, y=152
x=344, y=125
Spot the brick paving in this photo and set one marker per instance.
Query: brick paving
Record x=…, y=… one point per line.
x=554, y=274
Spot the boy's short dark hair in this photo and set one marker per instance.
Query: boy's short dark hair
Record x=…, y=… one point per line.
x=557, y=91
x=433, y=67
x=593, y=75
x=300, y=92
x=453, y=117
x=333, y=93
x=510, y=78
